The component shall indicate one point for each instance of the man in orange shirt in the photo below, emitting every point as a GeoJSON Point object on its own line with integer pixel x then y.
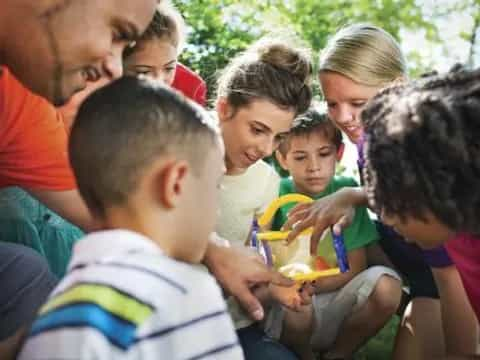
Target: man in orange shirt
{"type": "Point", "coordinates": [53, 47]}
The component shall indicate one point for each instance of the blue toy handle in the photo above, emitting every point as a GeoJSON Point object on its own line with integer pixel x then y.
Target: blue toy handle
{"type": "Point", "coordinates": [341, 252]}
{"type": "Point", "coordinates": [268, 253]}
{"type": "Point", "coordinates": [255, 228]}
{"type": "Point", "coordinates": [262, 247]}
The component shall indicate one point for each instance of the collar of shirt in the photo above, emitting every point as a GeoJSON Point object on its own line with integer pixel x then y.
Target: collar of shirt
{"type": "Point", "coordinates": [112, 243]}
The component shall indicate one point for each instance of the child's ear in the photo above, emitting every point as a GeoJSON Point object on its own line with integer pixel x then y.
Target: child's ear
{"type": "Point", "coordinates": [224, 110]}
{"type": "Point", "coordinates": [171, 183]}
{"type": "Point", "coordinates": [281, 160]}
{"type": "Point", "coordinates": [340, 151]}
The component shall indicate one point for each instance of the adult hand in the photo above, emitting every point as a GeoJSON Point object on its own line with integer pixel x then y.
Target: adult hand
{"type": "Point", "coordinates": [337, 209]}
{"type": "Point", "coordinates": [239, 271]}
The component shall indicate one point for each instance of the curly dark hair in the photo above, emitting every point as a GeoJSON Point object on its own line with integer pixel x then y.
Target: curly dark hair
{"type": "Point", "coordinates": [423, 149]}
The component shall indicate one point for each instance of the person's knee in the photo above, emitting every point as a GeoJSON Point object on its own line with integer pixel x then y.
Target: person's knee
{"type": "Point", "coordinates": [35, 269]}
{"type": "Point", "coordinates": [35, 262]}
{"type": "Point", "coordinates": [10, 346]}
{"type": "Point", "coordinates": [26, 281]}
{"type": "Point", "coordinates": [386, 295]}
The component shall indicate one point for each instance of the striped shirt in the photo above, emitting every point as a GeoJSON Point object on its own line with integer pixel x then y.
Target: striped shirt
{"type": "Point", "coordinates": [122, 298]}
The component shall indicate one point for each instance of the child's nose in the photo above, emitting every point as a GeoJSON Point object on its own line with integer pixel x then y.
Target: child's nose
{"type": "Point", "coordinates": [313, 164]}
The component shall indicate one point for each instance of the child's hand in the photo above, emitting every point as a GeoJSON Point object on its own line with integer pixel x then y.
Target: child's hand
{"type": "Point", "coordinates": [337, 210]}
{"type": "Point", "coordinates": [295, 297]}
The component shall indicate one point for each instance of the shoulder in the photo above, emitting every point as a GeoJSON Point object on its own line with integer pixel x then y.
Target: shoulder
{"type": "Point", "coordinates": [286, 186]}
{"type": "Point", "coordinates": [258, 177]}
{"type": "Point", "coordinates": [186, 74]}
{"type": "Point", "coordinates": [265, 170]}
{"type": "Point", "coordinates": [22, 109]}
{"type": "Point", "coordinates": [185, 282]}
{"type": "Point", "coordinates": [190, 84]}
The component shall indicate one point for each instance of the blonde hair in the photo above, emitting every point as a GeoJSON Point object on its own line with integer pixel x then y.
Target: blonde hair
{"type": "Point", "coordinates": [270, 69]}
{"type": "Point", "coordinates": [364, 53]}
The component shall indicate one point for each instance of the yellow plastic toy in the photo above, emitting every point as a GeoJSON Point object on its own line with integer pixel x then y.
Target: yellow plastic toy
{"type": "Point", "coordinates": [294, 260]}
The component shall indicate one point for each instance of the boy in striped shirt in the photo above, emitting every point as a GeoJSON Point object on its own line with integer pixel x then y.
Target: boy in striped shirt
{"type": "Point", "coordinates": [146, 160]}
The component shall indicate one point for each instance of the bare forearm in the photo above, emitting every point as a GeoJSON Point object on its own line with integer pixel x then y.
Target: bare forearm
{"type": "Point", "coordinates": [459, 322]}
{"type": "Point", "coordinates": [332, 283]}
{"type": "Point", "coordinates": [69, 205]}
{"type": "Point", "coordinates": [357, 262]}
{"type": "Point", "coordinates": [357, 195]}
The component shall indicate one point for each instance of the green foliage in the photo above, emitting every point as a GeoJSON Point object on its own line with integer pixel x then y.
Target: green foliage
{"type": "Point", "coordinates": [215, 35]}
{"type": "Point", "coordinates": [317, 20]}
{"type": "Point", "coordinates": [219, 29]}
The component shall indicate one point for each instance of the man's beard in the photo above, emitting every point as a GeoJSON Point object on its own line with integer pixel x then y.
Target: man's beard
{"type": "Point", "coordinates": [57, 97]}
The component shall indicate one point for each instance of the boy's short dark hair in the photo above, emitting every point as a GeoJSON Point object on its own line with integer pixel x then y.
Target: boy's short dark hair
{"type": "Point", "coordinates": [311, 121]}
{"type": "Point", "coordinates": [125, 126]}
{"type": "Point", "coordinates": [423, 149]}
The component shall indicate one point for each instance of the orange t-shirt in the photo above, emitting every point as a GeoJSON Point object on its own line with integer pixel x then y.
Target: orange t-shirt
{"type": "Point", "coordinates": [33, 140]}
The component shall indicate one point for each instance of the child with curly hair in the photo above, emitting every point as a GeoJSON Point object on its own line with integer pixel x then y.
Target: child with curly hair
{"type": "Point", "coordinates": [422, 168]}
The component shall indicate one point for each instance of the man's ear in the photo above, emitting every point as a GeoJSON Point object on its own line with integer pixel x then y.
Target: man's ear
{"type": "Point", "coordinates": [281, 160]}
{"type": "Point", "coordinates": [340, 151]}
{"type": "Point", "coordinates": [224, 109]}
{"type": "Point", "coordinates": [170, 183]}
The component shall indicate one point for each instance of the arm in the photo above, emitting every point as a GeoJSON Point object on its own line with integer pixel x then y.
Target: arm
{"type": "Point", "coordinates": [67, 204]}
{"type": "Point", "coordinates": [459, 322]}
{"type": "Point", "coordinates": [337, 209]}
{"type": "Point", "coordinates": [358, 262]}
{"type": "Point", "coordinates": [36, 155]}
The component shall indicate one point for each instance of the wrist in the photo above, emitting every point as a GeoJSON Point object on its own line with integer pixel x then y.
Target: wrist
{"type": "Point", "coordinates": [215, 246]}
{"type": "Point", "coordinates": [355, 196]}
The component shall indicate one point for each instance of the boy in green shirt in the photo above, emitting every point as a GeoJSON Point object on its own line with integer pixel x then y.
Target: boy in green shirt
{"type": "Point", "coordinates": [349, 308]}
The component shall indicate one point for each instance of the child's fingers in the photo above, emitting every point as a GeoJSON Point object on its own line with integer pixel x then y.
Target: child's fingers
{"type": "Point", "coordinates": [299, 228]}
{"type": "Point", "coordinates": [309, 288]}
{"type": "Point", "coordinates": [344, 222]}
{"type": "Point", "coordinates": [305, 293]}
{"type": "Point", "coordinates": [321, 224]}
{"type": "Point", "coordinates": [298, 213]}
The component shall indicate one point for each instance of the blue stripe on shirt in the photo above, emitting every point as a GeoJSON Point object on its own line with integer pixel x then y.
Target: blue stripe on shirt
{"type": "Point", "coordinates": [119, 332]}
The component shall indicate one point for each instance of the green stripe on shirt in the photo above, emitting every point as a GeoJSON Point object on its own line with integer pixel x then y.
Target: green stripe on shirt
{"type": "Point", "coordinates": [110, 299]}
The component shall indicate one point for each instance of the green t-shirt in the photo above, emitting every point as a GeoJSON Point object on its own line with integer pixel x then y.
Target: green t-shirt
{"type": "Point", "coordinates": [360, 233]}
